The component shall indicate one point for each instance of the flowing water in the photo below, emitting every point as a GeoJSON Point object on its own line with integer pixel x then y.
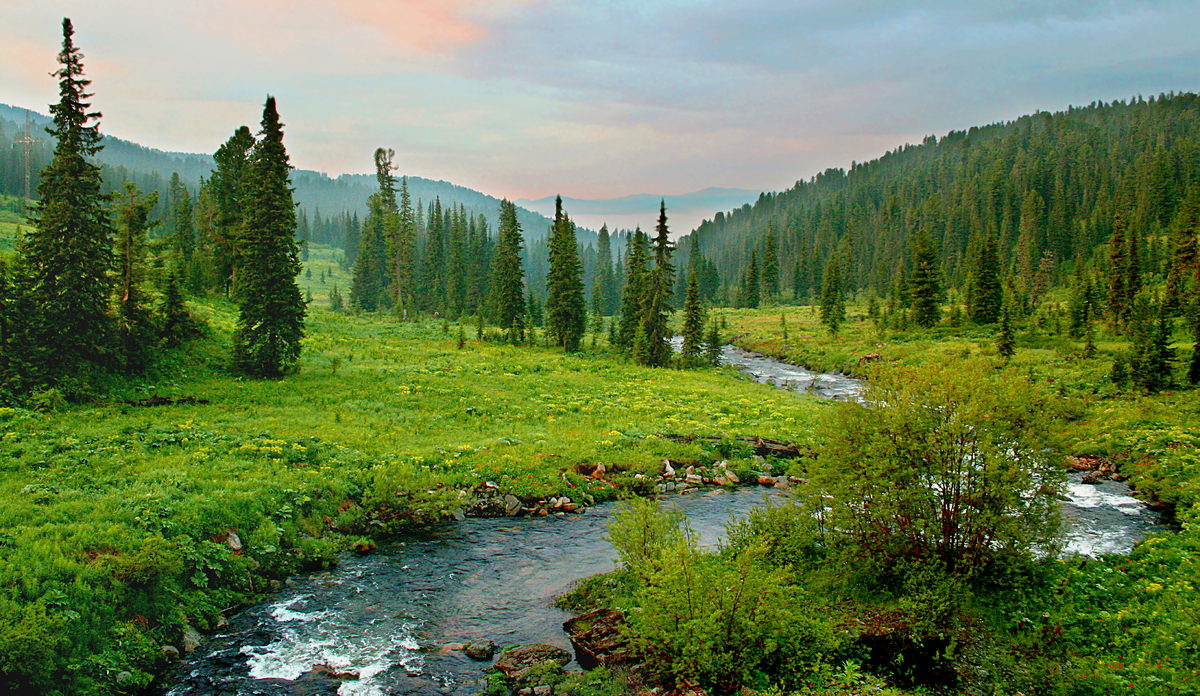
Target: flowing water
{"type": "Point", "coordinates": [388, 615]}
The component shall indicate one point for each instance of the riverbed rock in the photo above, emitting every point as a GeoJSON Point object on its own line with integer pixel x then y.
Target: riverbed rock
{"type": "Point", "coordinates": [598, 638]}
{"type": "Point", "coordinates": [766, 480]}
{"type": "Point", "coordinates": [542, 690]}
{"type": "Point", "coordinates": [511, 505]}
{"type": "Point", "coordinates": [668, 470]}
{"type": "Point", "coordinates": [782, 484]}
{"type": "Point", "coordinates": [451, 647]}
{"type": "Point", "coordinates": [480, 650]}
{"type": "Point", "coordinates": [694, 480]}
{"type": "Point", "coordinates": [733, 478]}
{"type": "Point", "coordinates": [170, 653]}
{"type": "Point", "coordinates": [336, 672]}
{"type": "Point", "coordinates": [192, 640]}
{"type": "Point", "coordinates": [570, 507]}
{"type": "Point", "coordinates": [519, 662]}
{"type": "Point", "coordinates": [234, 542]}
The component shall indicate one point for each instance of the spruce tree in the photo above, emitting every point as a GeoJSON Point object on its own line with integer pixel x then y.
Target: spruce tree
{"type": "Point", "coordinates": [566, 311]}
{"type": "Point", "coordinates": [656, 307]}
{"type": "Point", "coordinates": [175, 324]}
{"type": "Point", "coordinates": [135, 328]}
{"type": "Point", "coordinates": [1006, 340]}
{"type": "Point", "coordinates": [1151, 354]}
{"type": "Point", "coordinates": [1185, 259]}
{"type": "Point", "coordinates": [64, 259]}
{"type": "Point", "coordinates": [984, 293]}
{"type": "Point", "coordinates": [508, 277]}
{"type": "Point", "coordinates": [230, 186]}
{"type": "Point", "coordinates": [833, 308]}
{"type": "Point", "coordinates": [751, 290]}
{"type": "Point", "coordinates": [712, 344]}
{"type": "Point", "coordinates": [1194, 320]}
{"type": "Point", "coordinates": [635, 288]}
{"type": "Point", "coordinates": [271, 315]}
{"type": "Point", "coordinates": [381, 226]}
{"type": "Point", "coordinates": [402, 252]}
{"type": "Point", "coordinates": [770, 266]}
{"type": "Point", "coordinates": [605, 286]}
{"type": "Point", "coordinates": [1119, 296]}
{"type": "Point", "coordinates": [183, 238]}
{"type": "Point", "coordinates": [925, 285]}
{"type": "Point", "coordinates": [693, 322]}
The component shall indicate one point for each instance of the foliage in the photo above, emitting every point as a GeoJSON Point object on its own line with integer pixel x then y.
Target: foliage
{"type": "Point", "coordinates": [925, 283]}
{"type": "Point", "coordinates": [833, 308]}
{"type": "Point", "coordinates": [508, 277]}
{"type": "Point", "coordinates": [693, 322]}
{"type": "Point", "coordinates": [944, 465]}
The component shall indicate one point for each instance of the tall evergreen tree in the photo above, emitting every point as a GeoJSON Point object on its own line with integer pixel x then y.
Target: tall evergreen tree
{"type": "Point", "coordinates": [183, 238]}
{"type": "Point", "coordinates": [604, 291]}
{"type": "Point", "coordinates": [636, 281]}
{"type": "Point", "coordinates": [64, 259]}
{"type": "Point", "coordinates": [770, 266]}
{"type": "Point", "coordinates": [403, 247]}
{"type": "Point", "coordinates": [566, 311]}
{"type": "Point", "coordinates": [271, 315]}
{"type": "Point", "coordinates": [751, 290]}
{"type": "Point", "coordinates": [370, 266]}
{"type": "Point", "coordinates": [833, 307]}
{"type": "Point", "coordinates": [693, 322]}
{"type": "Point", "coordinates": [1151, 353]}
{"type": "Point", "coordinates": [134, 324]}
{"type": "Point", "coordinates": [1184, 270]}
{"type": "Point", "coordinates": [508, 277]}
{"type": "Point", "coordinates": [985, 296]}
{"type": "Point", "coordinates": [1005, 339]}
{"type": "Point", "coordinates": [654, 349]}
{"type": "Point", "coordinates": [230, 186]}
{"type": "Point", "coordinates": [1119, 295]}
{"type": "Point", "coordinates": [925, 285]}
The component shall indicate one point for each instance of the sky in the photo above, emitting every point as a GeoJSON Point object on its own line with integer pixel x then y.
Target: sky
{"type": "Point", "coordinates": [599, 98]}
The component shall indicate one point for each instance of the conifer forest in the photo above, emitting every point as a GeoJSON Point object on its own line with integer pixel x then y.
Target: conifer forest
{"type": "Point", "coordinates": [231, 389]}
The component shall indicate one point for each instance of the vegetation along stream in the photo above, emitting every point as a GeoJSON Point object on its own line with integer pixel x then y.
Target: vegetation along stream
{"type": "Point", "coordinates": [386, 619]}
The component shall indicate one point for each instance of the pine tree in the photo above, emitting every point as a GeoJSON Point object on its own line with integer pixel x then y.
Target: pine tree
{"type": "Point", "coordinates": [1151, 354]}
{"type": "Point", "coordinates": [1185, 259]}
{"type": "Point", "coordinates": [271, 315]}
{"type": "Point", "coordinates": [833, 308]}
{"type": "Point", "coordinates": [713, 344]}
{"type": "Point", "coordinates": [508, 277]}
{"type": "Point", "coordinates": [605, 286]}
{"type": "Point", "coordinates": [1005, 340]}
{"type": "Point", "coordinates": [183, 239]}
{"type": "Point", "coordinates": [230, 186]}
{"type": "Point", "coordinates": [175, 323]}
{"type": "Point", "coordinates": [1119, 296]}
{"type": "Point", "coordinates": [656, 307]}
{"type": "Point", "coordinates": [693, 322]}
{"type": "Point", "coordinates": [402, 252]}
{"type": "Point", "coordinates": [751, 296]}
{"type": "Point", "coordinates": [336, 303]}
{"type": "Point", "coordinates": [380, 227]}
{"type": "Point", "coordinates": [636, 281]}
{"type": "Point", "coordinates": [984, 293]}
{"type": "Point", "coordinates": [134, 325]}
{"type": "Point", "coordinates": [770, 267]}
{"type": "Point", "coordinates": [1194, 320]}
{"type": "Point", "coordinates": [566, 311]}
{"type": "Point", "coordinates": [64, 259]}
{"type": "Point", "coordinates": [925, 285]}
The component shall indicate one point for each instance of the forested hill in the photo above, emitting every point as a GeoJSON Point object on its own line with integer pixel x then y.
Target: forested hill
{"type": "Point", "coordinates": [1047, 185]}
{"type": "Point", "coordinates": [152, 169]}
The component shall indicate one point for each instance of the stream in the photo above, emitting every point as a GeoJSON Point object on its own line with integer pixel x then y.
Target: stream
{"type": "Point", "coordinates": [388, 615]}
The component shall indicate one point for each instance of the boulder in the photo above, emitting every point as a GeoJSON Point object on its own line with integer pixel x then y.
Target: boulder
{"type": "Point", "coordinates": [542, 690]}
{"type": "Point", "coordinates": [782, 484]}
{"type": "Point", "coordinates": [733, 478]}
{"type": "Point", "coordinates": [335, 672]}
{"type": "Point", "coordinates": [511, 505]}
{"type": "Point", "coordinates": [234, 542]}
{"type": "Point", "coordinates": [668, 470]}
{"type": "Point", "coordinates": [518, 662]}
{"type": "Point", "coordinates": [694, 480]}
{"type": "Point", "coordinates": [598, 638]}
{"type": "Point", "coordinates": [451, 647]}
{"type": "Point", "coordinates": [766, 481]}
{"type": "Point", "coordinates": [600, 470]}
{"type": "Point", "coordinates": [482, 650]}
{"type": "Point", "coordinates": [170, 653]}
{"type": "Point", "coordinates": [192, 640]}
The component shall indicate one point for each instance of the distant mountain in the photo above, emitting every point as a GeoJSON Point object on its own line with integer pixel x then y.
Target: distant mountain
{"type": "Point", "coordinates": [152, 168]}
{"type": "Point", "coordinates": [684, 212]}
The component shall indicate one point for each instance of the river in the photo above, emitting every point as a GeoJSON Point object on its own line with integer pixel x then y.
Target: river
{"type": "Point", "coordinates": [388, 615]}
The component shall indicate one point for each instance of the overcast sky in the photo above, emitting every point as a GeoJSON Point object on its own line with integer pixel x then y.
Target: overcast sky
{"type": "Point", "coordinates": [593, 99]}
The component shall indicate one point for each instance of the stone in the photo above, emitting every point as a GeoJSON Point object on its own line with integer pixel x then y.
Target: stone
{"type": "Point", "coordinates": [694, 480]}
{"type": "Point", "coordinates": [124, 677]}
{"type": "Point", "coordinates": [543, 690]}
{"type": "Point", "coordinates": [690, 470]}
{"type": "Point", "coordinates": [511, 505]}
{"type": "Point", "coordinates": [459, 514]}
{"type": "Point", "coordinates": [234, 542]}
{"type": "Point", "coordinates": [451, 647]}
{"type": "Point", "coordinates": [518, 662]}
{"type": "Point", "coordinates": [482, 650]}
{"type": "Point", "coordinates": [721, 481]}
{"type": "Point", "coordinates": [668, 470]}
{"type": "Point", "coordinates": [733, 478]}
{"type": "Point", "coordinates": [570, 507]}
{"type": "Point", "coordinates": [335, 672]}
{"type": "Point", "coordinates": [782, 484]}
{"type": "Point", "coordinates": [766, 481]}
{"type": "Point", "coordinates": [492, 485]}
{"type": "Point", "coordinates": [758, 459]}
{"type": "Point", "coordinates": [192, 640]}
{"type": "Point", "coordinates": [170, 653]}
{"type": "Point", "coordinates": [599, 471]}
{"type": "Point", "coordinates": [670, 486]}
{"type": "Point", "coordinates": [638, 477]}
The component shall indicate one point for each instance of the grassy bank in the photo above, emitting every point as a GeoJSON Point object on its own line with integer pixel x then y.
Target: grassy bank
{"type": "Point", "coordinates": [116, 516]}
